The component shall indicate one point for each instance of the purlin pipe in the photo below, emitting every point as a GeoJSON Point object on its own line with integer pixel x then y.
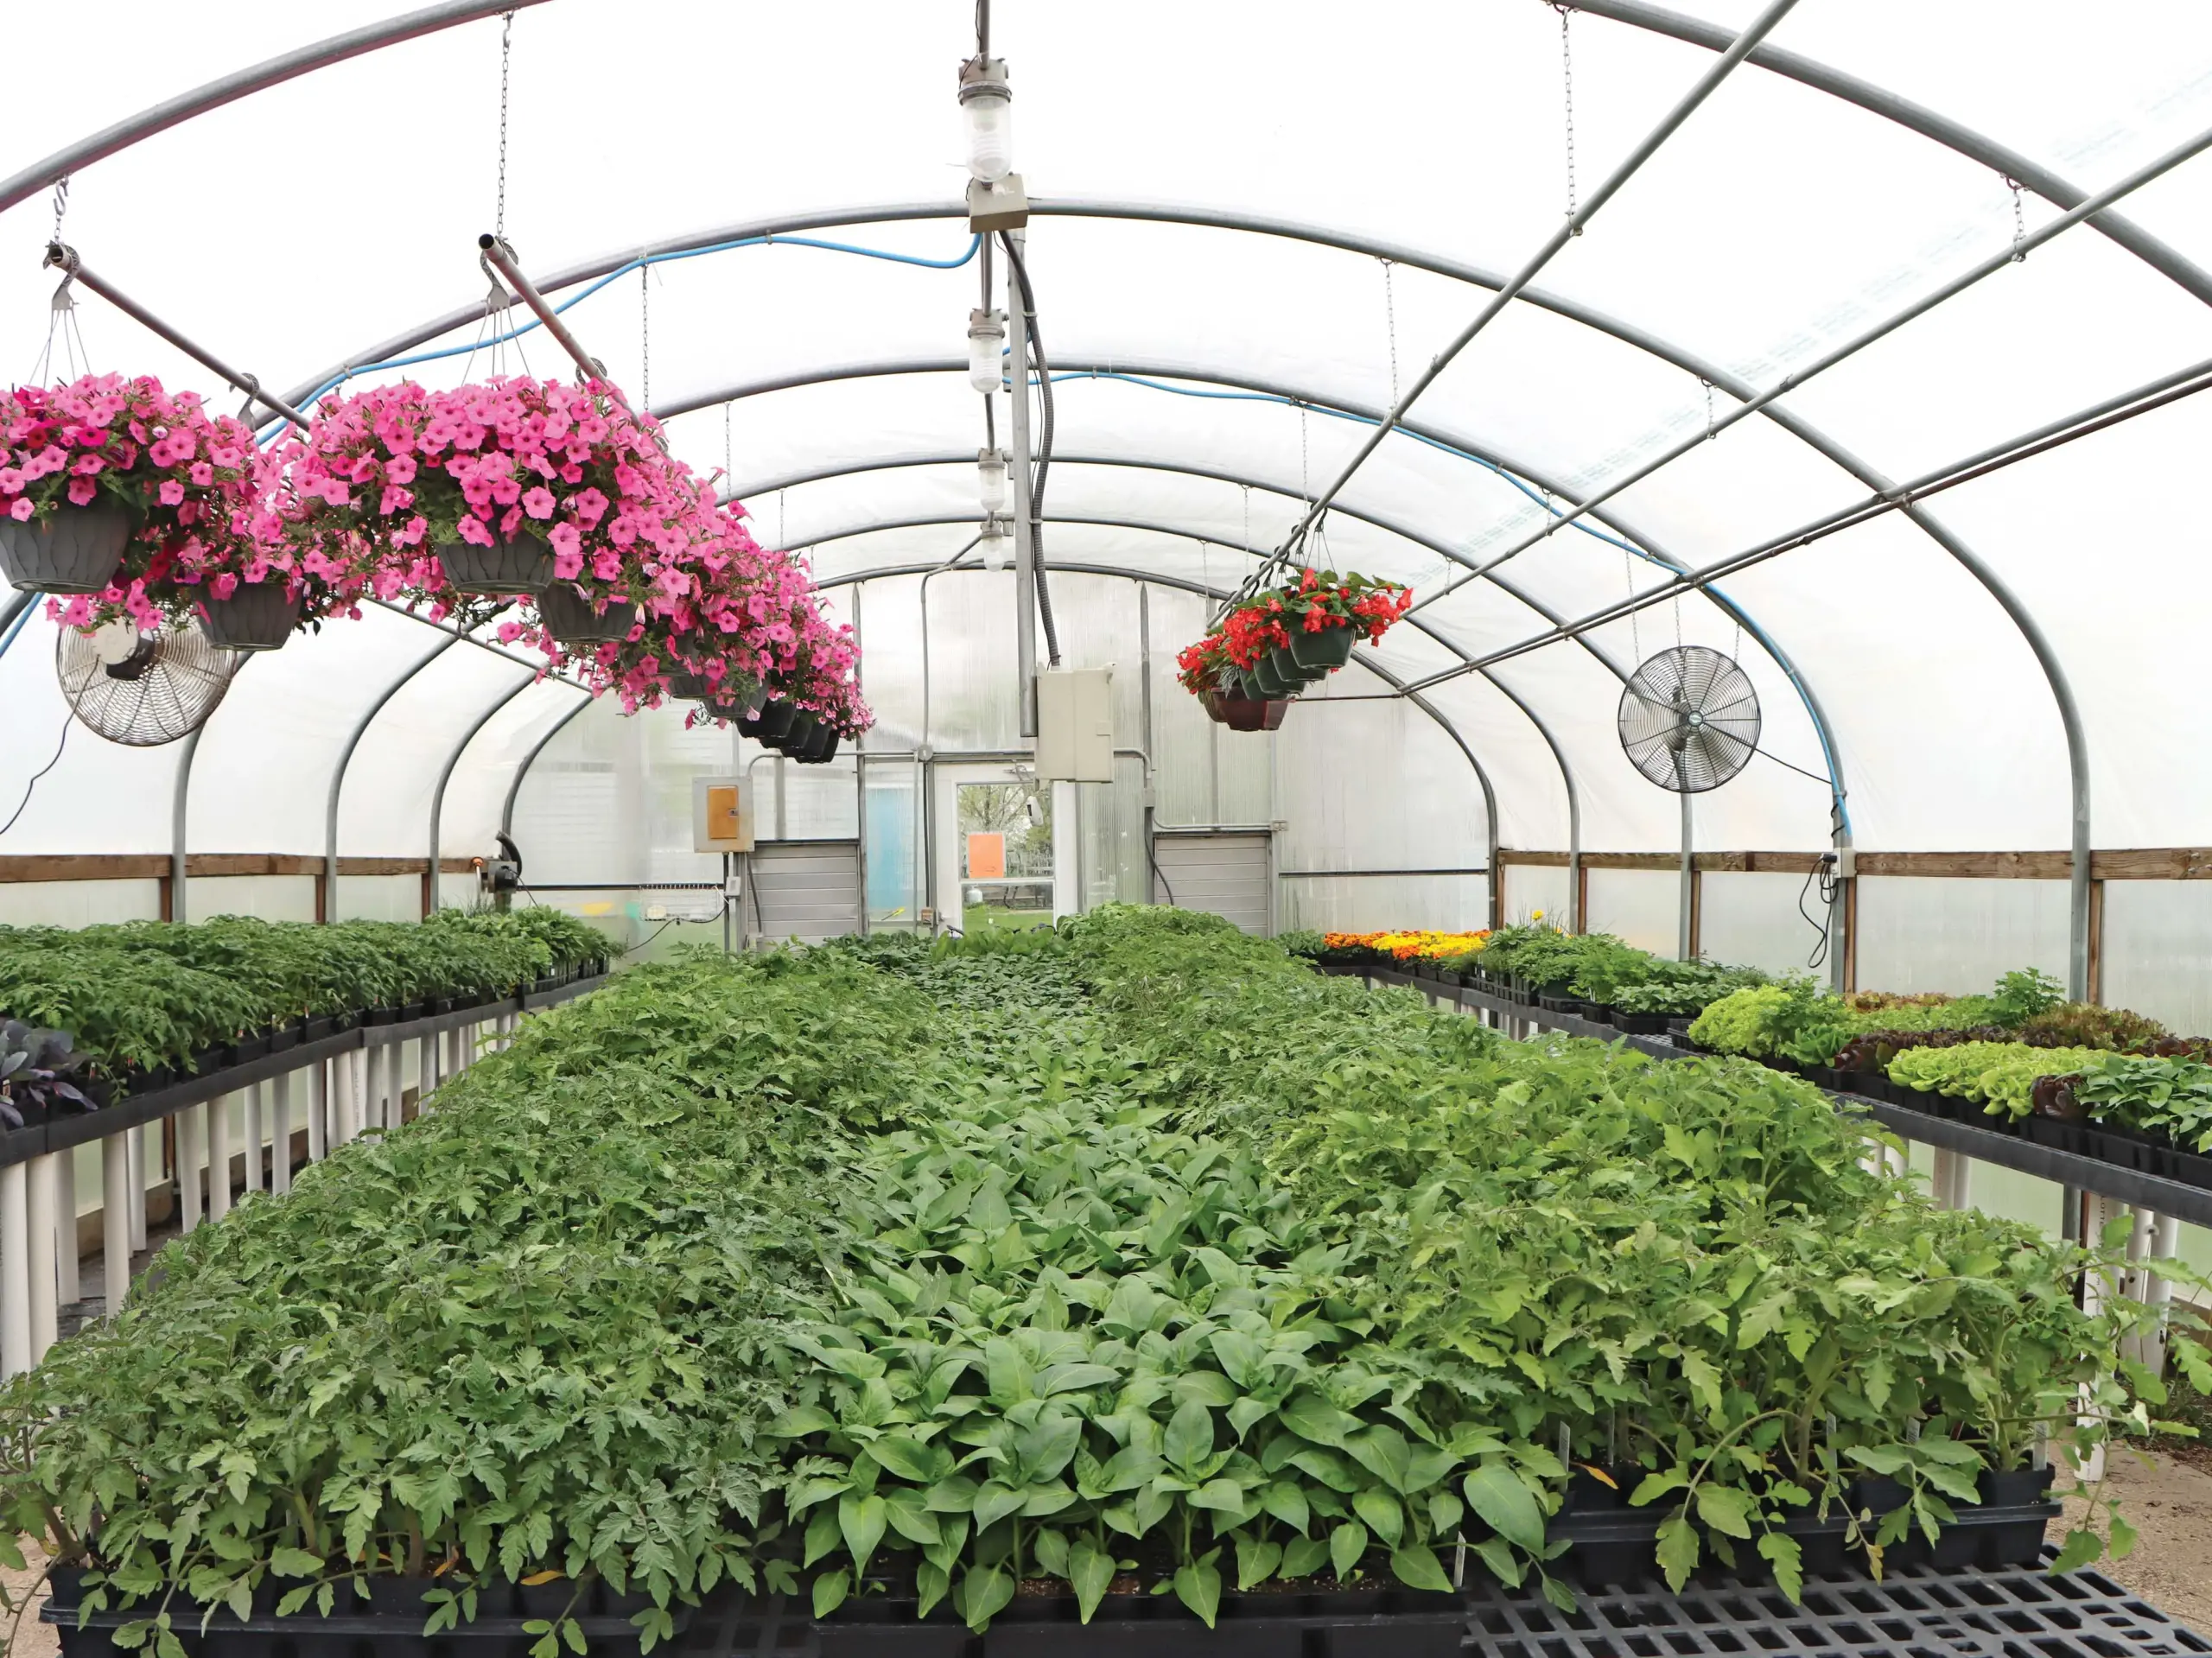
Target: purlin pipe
{"type": "Point", "coordinates": [63, 258]}
{"type": "Point", "coordinates": [227, 89]}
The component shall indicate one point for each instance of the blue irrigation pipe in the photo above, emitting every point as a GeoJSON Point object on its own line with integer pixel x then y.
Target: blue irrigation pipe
{"type": "Point", "coordinates": [638, 263]}
{"type": "Point", "coordinates": [15, 618]}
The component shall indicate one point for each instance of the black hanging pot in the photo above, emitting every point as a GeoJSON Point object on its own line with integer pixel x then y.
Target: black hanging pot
{"type": "Point", "coordinates": [794, 740]}
{"type": "Point", "coordinates": [76, 550]}
{"type": "Point", "coordinates": [1269, 682]}
{"type": "Point", "coordinates": [820, 748]}
{"type": "Point", "coordinates": [769, 724]}
{"type": "Point", "coordinates": [257, 616]}
{"type": "Point", "coordinates": [688, 687]}
{"type": "Point", "coordinates": [1288, 670]}
{"type": "Point", "coordinates": [1321, 651]}
{"type": "Point", "coordinates": [1248, 682]}
{"type": "Point", "coordinates": [569, 617]}
{"type": "Point", "coordinates": [522, 564]}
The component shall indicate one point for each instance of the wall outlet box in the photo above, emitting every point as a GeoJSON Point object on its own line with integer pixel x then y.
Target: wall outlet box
{"type": "Point", "coordinates": [1075, 725]}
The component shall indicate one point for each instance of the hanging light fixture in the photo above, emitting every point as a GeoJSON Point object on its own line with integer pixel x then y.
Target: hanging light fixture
{"type": "Point", "coordinates": [990, 474]}
{"type": "Point", "coordinates": [988, 102]}
{"type": "Point", "coordinates": [986, 350]}
{"type": "Point", "coordinates": [992, 546]}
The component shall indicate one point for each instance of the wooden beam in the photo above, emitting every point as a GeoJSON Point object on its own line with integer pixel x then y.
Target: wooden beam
{"type": "Point", "coordinates": [2152, 863]}
{"type": "Point", "coordinates": [155, 866]}
{"type": "Point", "coordinates": [85, 865]}
{"type": "Point", "coordinates": [2097, 986]}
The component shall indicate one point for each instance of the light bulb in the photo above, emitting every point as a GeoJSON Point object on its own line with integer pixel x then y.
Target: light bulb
{"type": "Point", "coordinates": [986, 351]}
{"type": "Point", "coordinates": [993, 546]}
{"type": "Point", "coordinates": [990, 472]}
{"type": "Point", "coordinates": [988, 102]}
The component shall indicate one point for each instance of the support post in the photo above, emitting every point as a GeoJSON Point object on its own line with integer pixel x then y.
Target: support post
{"type": "Point", "coordinates": [44, 1328]}
{"type": "Point", "coordinates": [191, 1142]}
{"type": "Point", "coordinates": [318, 1111]}
{"type": "Point", "coordinates": [280, 1136]}
{"type": "Point", "coordinates": [135, 1140]}
{"type": "Point", "coordinates": [1685, 937]}
{"type": "Point", "coordinates": [219, 1157]}
{"type": "Point", "coordinates": [252, 1093]}
{"type": "Point", "coordinates": [68, 1291]}
{"type": "Point", "coordinates": [15, 1269]}
{"type": "Point", "coordinates": [341, 1099]}
{"type": "Point", "coordinates": [115, 1217]}
{"type": "Point", "coordinates": [1025, 526]}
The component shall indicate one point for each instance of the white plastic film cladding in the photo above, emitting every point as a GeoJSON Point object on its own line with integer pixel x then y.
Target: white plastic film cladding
{"type": "Point", "coordinates": [1452, 903]}
{"type": "Point", "coordinates": [1751, 918]}
{"type": "Point", "coordinates": [2158, 950]}
{"type": "Point", "coordinates": [1641, 907]}
{"type": "Point", "coordinates": [1933, 933]}
{"type": "Point", "coordinates": [1533, 891]}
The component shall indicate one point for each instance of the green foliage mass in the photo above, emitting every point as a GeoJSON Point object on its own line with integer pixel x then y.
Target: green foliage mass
{"type": "Point", "coordinates": [1997, 1075]}
{"type": "Point", "coordinates": [141, 994]}
{"type": "Point", "coordinates": [1132, 1245]}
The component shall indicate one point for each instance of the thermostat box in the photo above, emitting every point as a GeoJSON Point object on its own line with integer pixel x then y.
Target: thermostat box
{"type": "Point", "coordinates": [722, 815]}
{"type": "Point", "coordinates": [1075, 725]}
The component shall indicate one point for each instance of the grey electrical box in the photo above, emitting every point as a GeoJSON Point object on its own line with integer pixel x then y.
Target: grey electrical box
{"type": "Point", "coordinates": [1075, 725]}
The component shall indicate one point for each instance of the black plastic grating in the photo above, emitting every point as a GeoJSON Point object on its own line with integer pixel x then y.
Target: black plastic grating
{"type": "Point", "coordinates": [2023, 1612]}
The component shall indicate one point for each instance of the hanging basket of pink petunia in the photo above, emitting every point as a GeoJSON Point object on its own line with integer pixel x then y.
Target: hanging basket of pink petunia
{"type": "Point", "coordinates": [536, 491]}
{"type": "Point", "coordinates": [134, 504]}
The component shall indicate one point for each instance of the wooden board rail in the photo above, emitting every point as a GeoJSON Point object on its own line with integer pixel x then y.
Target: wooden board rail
{"type": "Point", "coordinates": [156, 866]}
{"type": "Point", "coordinates": [2149, 863]}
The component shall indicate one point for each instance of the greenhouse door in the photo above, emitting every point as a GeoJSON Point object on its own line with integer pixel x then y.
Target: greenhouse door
{"type": "Point", "coordinates": [1000, 865]}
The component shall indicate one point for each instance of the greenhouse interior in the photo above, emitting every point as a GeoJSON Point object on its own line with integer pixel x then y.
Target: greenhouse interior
{"type": "Point", "coordinates": [835, 875]}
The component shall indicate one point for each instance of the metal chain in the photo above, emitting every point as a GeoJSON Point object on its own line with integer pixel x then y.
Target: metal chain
{"type": "Point", "coordinates": [2019, 222]}
{"type": "Point", "coordinates": [506, 36]}
{"type": "Point", "coordinates": [1628, 575]}
{"type": "Point", "coordinates": [645, 335]}
{"type": "Point", "coordinates": [726, 462]}
{"type": "Point", "coordinates": [1390, 316]}
{"type": "Point", "coordinates": [1247, 488]}
{"type": "Point", "coordinates": [1566, 76]}
{"type": "Point", "coordinates": [1709, 432]}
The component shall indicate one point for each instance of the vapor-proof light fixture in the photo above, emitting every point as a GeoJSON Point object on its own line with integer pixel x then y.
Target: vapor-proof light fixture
{"type": "Point", "coordinates": [992, 546]}
{"type": "Point", "coordinates": [987, 350]}
{"type": "Point", "coordinates": [988, 102]}
{"type": "Point", "coordinates": [990, 474]}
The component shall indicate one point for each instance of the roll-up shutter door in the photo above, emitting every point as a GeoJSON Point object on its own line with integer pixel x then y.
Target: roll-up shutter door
{"type": "Point", "coordinates": [808, 890]}
{"type": "Point", "coordinates": [1223, 874]}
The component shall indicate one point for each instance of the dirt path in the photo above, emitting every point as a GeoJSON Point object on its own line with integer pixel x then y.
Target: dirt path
{"type": "Point", "coordinates": [33, 1638]}
{"type": "Point", "coordinates": [2169, 1504]}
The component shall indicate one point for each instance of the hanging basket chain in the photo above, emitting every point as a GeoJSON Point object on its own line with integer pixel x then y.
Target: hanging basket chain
{"type": "Point", "coordinates": [2019, 223]}
{"type": "Point", "coordinates": [1566, 79]}
{"type": "Point", "coordinates": [506, 47]}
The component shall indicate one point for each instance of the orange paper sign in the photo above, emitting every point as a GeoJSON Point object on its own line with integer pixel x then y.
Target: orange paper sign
{"type": "Point", "coordinates": [722, 815]}
{"type": "Point", "coordinates": [986, 857]}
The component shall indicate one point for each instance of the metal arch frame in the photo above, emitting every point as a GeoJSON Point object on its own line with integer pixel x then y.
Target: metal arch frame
{"type": "Point", "coordinates": [445, 774]}
{"type": "Point", "coordinates": [1206, 590]}
{"type": "Point", "coordinates": [1915, 117]}
{"type": "Point", "coordinates": [346, 758]}
{"type": "Point", "coordinates": [514, 788]}
{"type": "Point", "coordinates": [242, 83]}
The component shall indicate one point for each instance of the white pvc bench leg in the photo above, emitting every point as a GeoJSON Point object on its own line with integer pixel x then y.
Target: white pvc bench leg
{"type": "Point", "coordinates": [318, 1111]}
{"type": "Point", "coordinates": [280, 1138]}
{"type": "Point", "coordinates": [191, 1144]}
{"type": "Point", "coordinates": [44, 1324]}
{"type": "Point", "coordinates": [219, 1157]}
{"type": "Point", "coordinates": [115, 1216]}
{"type": "Point", "coordinates": [136, 1143]}
{"type": "Point", "coordinates": [69, 1289]}
{"type": "Point", "coordinates": [251, 1093]}
{"type": "Point", "coordinates": [15, 1269]}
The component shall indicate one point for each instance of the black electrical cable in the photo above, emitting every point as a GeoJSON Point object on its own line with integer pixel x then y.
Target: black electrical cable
{"type": "Point", "coordinates": [1158, 875]}
{"type": "Point", "coordinates": [66, 721]}
{"type": "Point", "coordinates": [1043, 447]}
{"type": "Point", "coordinates": [1829, 887]}
{"type": "Point", "coordinates": [982, 29]}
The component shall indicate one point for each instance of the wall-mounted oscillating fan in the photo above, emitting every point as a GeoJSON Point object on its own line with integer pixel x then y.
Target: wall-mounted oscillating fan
{"type": "Point", "coordinates": [141, 690]}
{"type": "Point", "coordinates": [1689, 719]}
